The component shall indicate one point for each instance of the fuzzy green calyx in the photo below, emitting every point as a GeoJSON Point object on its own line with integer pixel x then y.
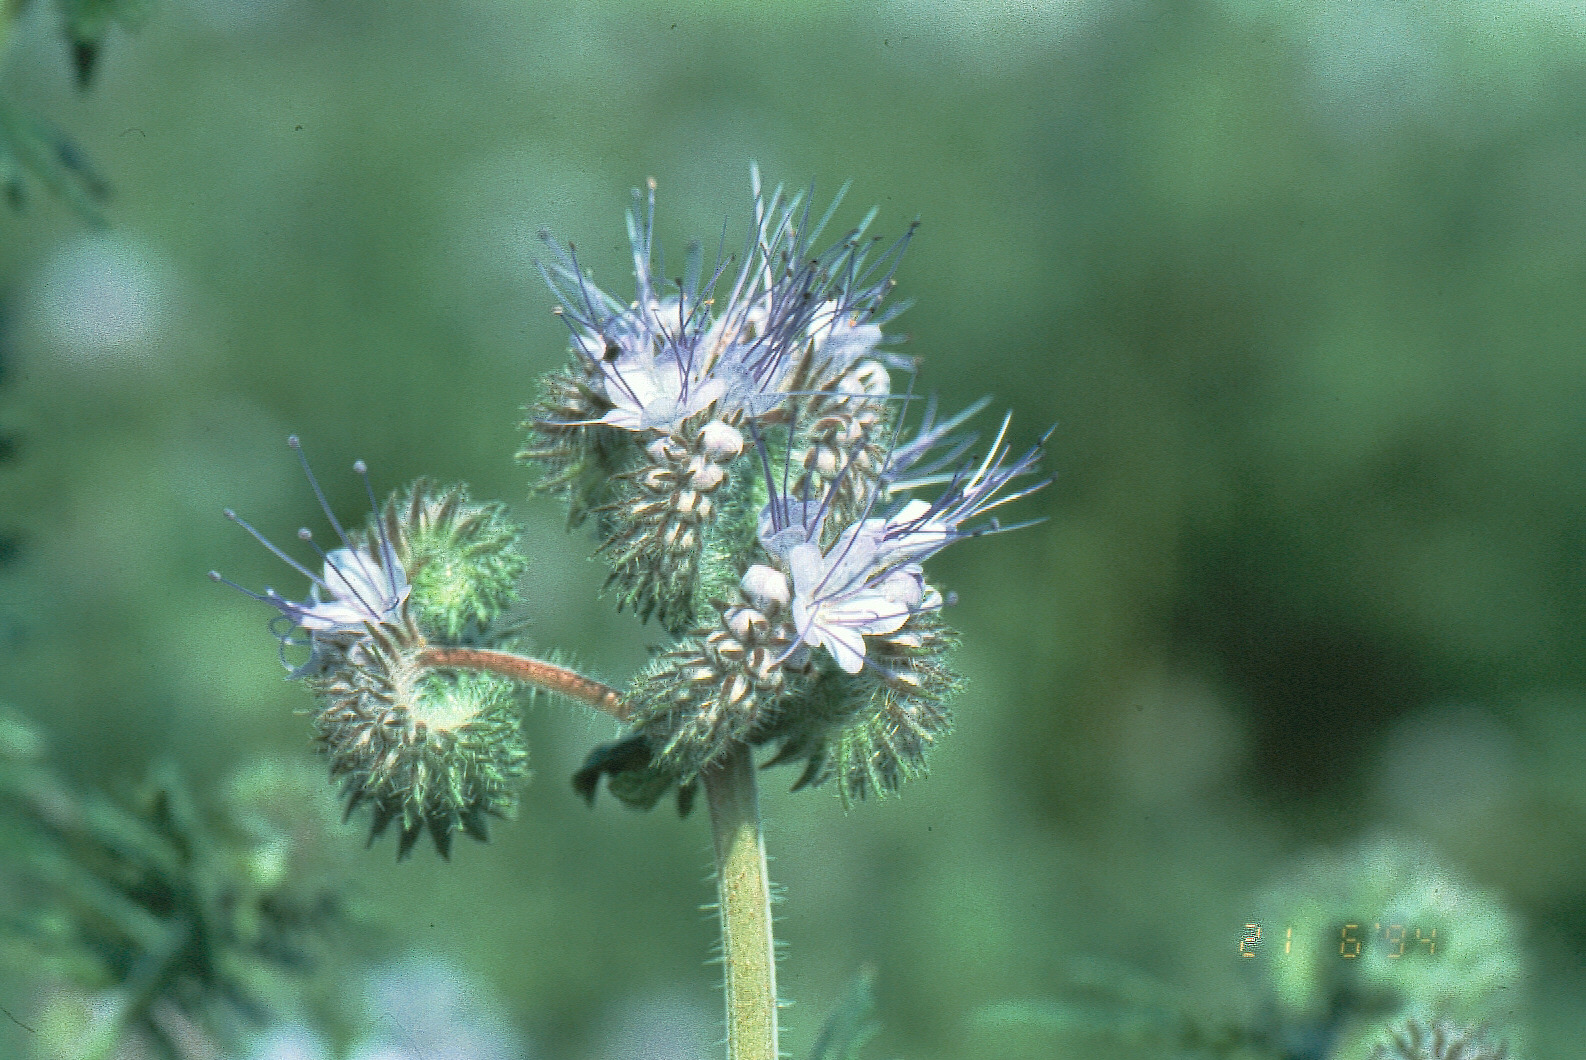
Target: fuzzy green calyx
{"type": "Point", "coordinates": [574, 459]}
{"type": "Point", "coordinates": [428, 751]}
{"type": "Point", "coordinates": [715, 689]}
{"type": "Point", "coordinates": [462, 559]}
{"type": "Point", "coordinates": [869, 732]}
{"type": "Point", "coordinates": [745, 681]}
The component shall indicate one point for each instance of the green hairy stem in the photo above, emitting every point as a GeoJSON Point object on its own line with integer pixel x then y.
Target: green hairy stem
{"type": "Point", "coordinates": [747, 944]}
{"type": "Point", "coordinates": [745, 905]}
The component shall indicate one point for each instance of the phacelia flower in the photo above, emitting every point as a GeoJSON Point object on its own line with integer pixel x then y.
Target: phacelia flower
{"type": "Point", "coordinates": [425, 749]}
{"type": "Point", "coordinates": [829, 645]}
{"type": "Point", "coordinates": [367, 585]}
{"type": "Point", "coordinates": [664, 358]}
{"type": "Point", "coordinates": [869, 580]}
{"type": "Point", "coordinates": [644, 426]}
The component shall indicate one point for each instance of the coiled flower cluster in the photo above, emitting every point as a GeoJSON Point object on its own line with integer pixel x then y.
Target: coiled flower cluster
{"type": "Point", "coordinates": [643, 427]}
{"type": "Point", "coordinates": [831, 646]}
{"type": "Point", "coordinates": [743, 453]}
{"type": "Point", "coordinates": [425, 748]}
{"type": "Point", "coordinates": [738, 443]}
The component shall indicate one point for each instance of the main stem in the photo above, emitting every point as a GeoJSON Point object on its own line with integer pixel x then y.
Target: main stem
{"type": "Point", "coordinates": [745, 905]}
{"type": "Point", "coordinates": [747, 944]}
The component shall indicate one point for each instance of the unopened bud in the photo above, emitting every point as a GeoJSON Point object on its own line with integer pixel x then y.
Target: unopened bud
{"type": "Point", "coordinates": [719, 442]}
{"type": "Point", "coordinates": [868, 377]}
{"type": "Point", "coordinates": [766, 588]}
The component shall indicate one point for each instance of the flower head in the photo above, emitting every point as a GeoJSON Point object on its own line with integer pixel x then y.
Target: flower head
{"type": "Point", "coordinates": [426, 750]}
{"type": "Point", "coordinates": [828, 643]}
{"type": "Point", "coordinates": [785, 313]}
{"type": "Point", "coordinates": [363, 579]}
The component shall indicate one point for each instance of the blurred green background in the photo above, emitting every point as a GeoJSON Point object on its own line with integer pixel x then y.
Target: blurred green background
{"type": "Point", "coordinates": [1300, 284]}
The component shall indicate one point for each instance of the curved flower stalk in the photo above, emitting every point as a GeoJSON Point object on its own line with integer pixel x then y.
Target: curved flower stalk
{"type": "Point", "coordinates": [645, 424]}
{"type": "Point", "coordinates": [830, 644]}
{"type": "Point", "coordinates": [424, 747]}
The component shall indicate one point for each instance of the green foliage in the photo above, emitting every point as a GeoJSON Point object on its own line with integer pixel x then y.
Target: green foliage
{"type": "Point", "coordinates": [31, 148]}
{"type": "Point", "coordinates": [199, 919]}
{"type": "Point", "coordinates": [851, 1024]}
{"type": "Point", "coordinates": [88, 22]}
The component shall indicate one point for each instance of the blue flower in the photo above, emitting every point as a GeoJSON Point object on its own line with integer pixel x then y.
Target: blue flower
{"type": "Point", "coordinates": [870, 579]}
{"type": "Point", "coordinates": [788, 317]}
{"type": "Point", "coordinates": [357, 587]}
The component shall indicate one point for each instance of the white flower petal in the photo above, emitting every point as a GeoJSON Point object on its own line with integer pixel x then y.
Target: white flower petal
{"type": "Point", "coordinates": [808, 567]}
{"type": "Point", "coordinates": [846, 646]}
{"type": "Point", "coordinates": [869, 612]}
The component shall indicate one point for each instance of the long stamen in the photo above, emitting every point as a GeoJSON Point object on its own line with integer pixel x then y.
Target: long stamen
{"type": "Point", "coordinates": [294, 564]}
{"type": "Point", "coordinates": [216, 576]}
{"type": "Point", "coordinates": [992, 453]}
{"type": "Point", "coordinates": [387, 552]}
{"type": "Point", "coordinates": [778, 518]}
{"type": "Point", "coordinates": [319, 494]}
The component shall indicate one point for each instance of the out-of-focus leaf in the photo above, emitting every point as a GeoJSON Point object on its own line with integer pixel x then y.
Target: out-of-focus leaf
{"type": "Point", "coordinates": [31, 149]}
{"type": "Point", "coordinates": [851, 1024]}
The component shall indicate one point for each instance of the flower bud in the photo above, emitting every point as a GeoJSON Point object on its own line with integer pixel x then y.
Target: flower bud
{"type": "Point", "coordinates": [766, 588]}
{"type": "Point", "coordinates": [720, 443]}
{"type": "Point", "coordinates": [462, 559]}
{"type": "Point", "coordinates": [867, 377]}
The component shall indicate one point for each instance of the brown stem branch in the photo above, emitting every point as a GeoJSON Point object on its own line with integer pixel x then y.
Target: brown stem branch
{"type": "Point", "coordinates": [536, 672]}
